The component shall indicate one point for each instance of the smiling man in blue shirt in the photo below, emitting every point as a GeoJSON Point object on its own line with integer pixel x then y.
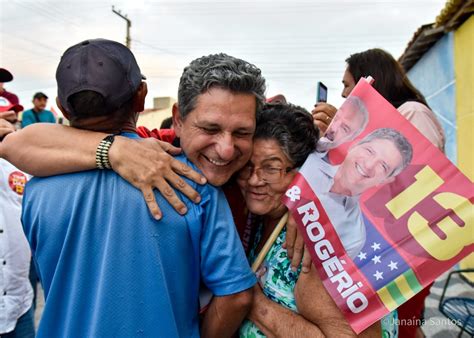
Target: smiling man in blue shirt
{"type": "Point", "coordinates": [107, 267]}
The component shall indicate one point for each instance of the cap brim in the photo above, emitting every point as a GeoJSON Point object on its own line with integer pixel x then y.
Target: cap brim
{"type": "Point", "coordinates": [16, 108]}
{"type": "Point", "coordinates": [5, 75]}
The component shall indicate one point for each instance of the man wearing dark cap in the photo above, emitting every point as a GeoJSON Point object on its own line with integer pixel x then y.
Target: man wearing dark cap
{"type": "Point", "coordinates": [108, 268]}
{"type": "Point", "coordinates": [38, 113]}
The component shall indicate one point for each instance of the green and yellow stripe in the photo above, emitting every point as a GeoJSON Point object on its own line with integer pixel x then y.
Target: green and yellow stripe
{"type": "Point", "coordinates": [399, 290]}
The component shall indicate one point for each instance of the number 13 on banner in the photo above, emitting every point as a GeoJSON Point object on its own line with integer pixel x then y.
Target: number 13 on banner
{"type": "Point", "coordinates": [457, 228]}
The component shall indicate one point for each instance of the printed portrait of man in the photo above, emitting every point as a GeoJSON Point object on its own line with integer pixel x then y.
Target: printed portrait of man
{"type": "Point", "coordinates": [350, 120]}
{"type": "Point", "coordinates": [374, 161]}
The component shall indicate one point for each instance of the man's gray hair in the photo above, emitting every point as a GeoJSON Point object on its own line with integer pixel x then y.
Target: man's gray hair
{"type": "Point", "coordinates": [401, 143]}
{"type": "Point", "coordinates": [221, 71]}
{"type": "Point", "coordinates": [358, 106]}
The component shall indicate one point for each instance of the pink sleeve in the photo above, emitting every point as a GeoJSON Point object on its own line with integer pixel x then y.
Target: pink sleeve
{"type": "Point", "coordinates": [425, 121]}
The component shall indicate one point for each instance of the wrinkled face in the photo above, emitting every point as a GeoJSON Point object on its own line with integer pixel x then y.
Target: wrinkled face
{"type": "Point", "coordinates": [217, 135]}
{"type": "Point", "coordinates": [368, 165]}
{"type": "Point", "coordinates": [260, 197]}
{"type": "Point", "coordinates": [40, 104]}
{"type": "Point", "coordinates": [343, 128]}
{"type": "Point", "coordinates": [349, 83]}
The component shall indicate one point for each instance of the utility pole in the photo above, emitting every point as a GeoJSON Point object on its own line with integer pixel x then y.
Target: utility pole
{"type": "Point", "coordinates": [129, 24]}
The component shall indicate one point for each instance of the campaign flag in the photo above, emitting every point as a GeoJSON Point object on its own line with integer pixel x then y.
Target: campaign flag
{"type": "Point", "coordinates": [382, 210]}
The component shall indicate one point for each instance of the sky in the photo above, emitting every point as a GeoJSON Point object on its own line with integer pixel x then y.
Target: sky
{"type": "Point", "coordinates": [294, 43]}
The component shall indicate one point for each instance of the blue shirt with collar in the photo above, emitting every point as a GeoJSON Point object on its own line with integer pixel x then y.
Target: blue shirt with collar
{"type": "Point", "coordinates": [109, 269]}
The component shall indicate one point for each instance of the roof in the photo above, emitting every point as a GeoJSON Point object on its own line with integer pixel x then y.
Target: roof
{"type": "Point", "coordinates": [454, 13]}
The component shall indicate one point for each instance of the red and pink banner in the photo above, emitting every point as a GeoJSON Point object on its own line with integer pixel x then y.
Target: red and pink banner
{"type": "Point", "coordinates": [383, 211]}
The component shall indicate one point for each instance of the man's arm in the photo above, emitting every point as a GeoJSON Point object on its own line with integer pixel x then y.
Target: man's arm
{"type": "Point", "coordinates": [274, 320]}
{"type": "Point", "coordinates": [225, 314]}
{"type": "Point", "coordinates": [316, 305]}
{"type": "Point", "coordinates": [49, 149]}
{"type": "Point", "coordinates": [224, 268]}
{"type": "Point", "coordinates": [51, 117]}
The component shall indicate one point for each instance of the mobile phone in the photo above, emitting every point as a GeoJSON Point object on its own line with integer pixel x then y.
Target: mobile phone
{"type": "Point", "coordinates": [322, 93]}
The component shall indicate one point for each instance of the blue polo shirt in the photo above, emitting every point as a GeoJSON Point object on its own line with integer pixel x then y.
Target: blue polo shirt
{"type": "Point", "coordinates": [109, 269]}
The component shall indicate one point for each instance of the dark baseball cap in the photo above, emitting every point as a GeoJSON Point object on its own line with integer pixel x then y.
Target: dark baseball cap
{"type": "Point", "coordinates": [104, 66]}
{"type": "Point", "coordinates": [40, 95]}
{"type": "Point", "coordinates": [5, 75]}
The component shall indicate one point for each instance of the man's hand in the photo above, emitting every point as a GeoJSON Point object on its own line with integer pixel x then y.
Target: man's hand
{"type": "Point", "coordinates": [5, 127]}
{"type": "Point", "coordinates": [323, 113]}
{"type": "Point", "coordinates": [147, 164]}
{"type": "Point", "coordinates": [295, 247]}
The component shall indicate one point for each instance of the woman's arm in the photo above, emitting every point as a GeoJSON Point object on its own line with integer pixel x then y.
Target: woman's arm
{"type": "Point", "coordinates": [316, 305]}
{"type": "Point", "coordinates": [48, 149]}
{"type": "Point", "coordinates": [276, 321]}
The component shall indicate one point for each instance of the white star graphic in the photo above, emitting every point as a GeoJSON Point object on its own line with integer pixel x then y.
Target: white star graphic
{"type": "Point", "coordinates": [378, 275]}
{"type": "Point", "coordinates": [375, 246]}
{"type": "Point", "coordinates": [362, 255]}
{"type": "Point", "coordinates": [376, 259]}
{"type": "Point", "coordinates": [393, 265]}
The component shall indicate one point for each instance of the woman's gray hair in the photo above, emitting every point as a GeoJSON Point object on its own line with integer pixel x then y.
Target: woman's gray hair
{"type": "Point", "coordinates": [222, 71]}
{"type": "Point", "coordinates": [291, 126]}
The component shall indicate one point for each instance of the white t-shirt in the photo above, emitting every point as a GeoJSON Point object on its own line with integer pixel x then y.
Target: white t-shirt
{"type": "Point", "coordinates": [16, 293]}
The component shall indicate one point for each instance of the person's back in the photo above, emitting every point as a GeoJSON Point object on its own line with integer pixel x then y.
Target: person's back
{"type": "Point", "coordinates": [107, 266]}
{"type": "Point", "coordinates": [109, 269]}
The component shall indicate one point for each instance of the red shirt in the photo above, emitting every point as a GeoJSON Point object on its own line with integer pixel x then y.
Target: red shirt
{"type": "Point", "coordinates": [10, 97]}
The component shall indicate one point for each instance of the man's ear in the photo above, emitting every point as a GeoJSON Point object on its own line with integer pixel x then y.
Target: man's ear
{"type": "Point", "coordinates": [177, 120]}
{"type": "Point", "coordinates": [61, 108]}
{"type": "Point", "coordinates": [139, 98]}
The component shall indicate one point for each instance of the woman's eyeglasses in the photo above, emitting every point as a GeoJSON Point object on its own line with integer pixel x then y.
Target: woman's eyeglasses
{"type": "Point", "coordinates": [266, 173]}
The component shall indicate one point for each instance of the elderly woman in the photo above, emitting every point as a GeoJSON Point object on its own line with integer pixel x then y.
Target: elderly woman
{"type": "Point", "coordinates": [284, 137]}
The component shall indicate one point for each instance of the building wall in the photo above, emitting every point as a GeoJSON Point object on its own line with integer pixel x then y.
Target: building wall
{"type": "Point", "coordinates": [153, 120]}
{"type": "Point", "coordinates": [434, 76]}
{"type": "Point", "coordinates": [464, 70]}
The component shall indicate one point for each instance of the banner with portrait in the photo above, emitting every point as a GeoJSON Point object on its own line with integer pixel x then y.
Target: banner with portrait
{"type": "Point", "coordinates": [382, 210]}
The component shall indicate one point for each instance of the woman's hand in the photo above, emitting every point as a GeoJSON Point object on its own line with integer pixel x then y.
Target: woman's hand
{"type": "Point", "coordinates": [147, 164]}
{"type": "Point", "coordinates": [295, 247]}
{"type": "Point", "coordinates": [323, 113]}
